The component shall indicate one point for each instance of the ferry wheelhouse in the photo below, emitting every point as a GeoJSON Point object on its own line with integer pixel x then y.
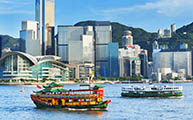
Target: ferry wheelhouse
{"type": "Point", "coordinates": [152, 91]}
{"type": "Point", "coordinates": [55, 96]}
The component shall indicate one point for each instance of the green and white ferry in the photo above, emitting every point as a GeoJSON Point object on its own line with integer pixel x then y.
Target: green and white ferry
{"type": "Point", "coordinates": [152, 91]}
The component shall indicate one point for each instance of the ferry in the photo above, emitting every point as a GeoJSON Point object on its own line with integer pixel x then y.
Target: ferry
{"type": "Point", "coordinates": [55, 96]}
{"type": "Point", "coordinates": [152, 91]}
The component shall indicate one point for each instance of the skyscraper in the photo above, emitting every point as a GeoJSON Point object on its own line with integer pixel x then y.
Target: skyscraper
{"type": "Point", "coordinates": [75, 44]}
{"type": "Point", "coordinates": [167, 33]}
{"type": "Point", "coordinates": [127, 39]}
{"type": "Point", "coordinates": [173, 28]}
{"type": "Point", "coordinates": [45, 15]}
{"type": "Point", "coordinates": [29, 33]}
{"type": "Point", "coordinates": [102, 36]}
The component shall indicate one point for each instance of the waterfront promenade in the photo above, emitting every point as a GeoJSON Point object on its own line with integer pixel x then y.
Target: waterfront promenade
{"type": "Point", "coordinates": [94, 82]}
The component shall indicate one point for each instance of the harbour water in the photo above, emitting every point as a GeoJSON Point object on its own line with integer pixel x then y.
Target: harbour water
{"type": "Point", "coordinates": [15, 105]}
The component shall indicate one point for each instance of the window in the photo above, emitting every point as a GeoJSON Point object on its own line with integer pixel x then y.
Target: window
{"type": "Point", "coordinates": [69, 100]}
{"type": "Point", "coordinates": [49, 101]}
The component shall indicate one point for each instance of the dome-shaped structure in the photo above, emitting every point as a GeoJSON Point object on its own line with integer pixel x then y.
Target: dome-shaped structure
{"type": "Point", "coordinates": [127, 39]}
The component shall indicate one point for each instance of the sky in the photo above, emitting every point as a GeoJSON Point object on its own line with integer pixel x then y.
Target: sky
{"type": "Point", "coordinates": [149, 15]}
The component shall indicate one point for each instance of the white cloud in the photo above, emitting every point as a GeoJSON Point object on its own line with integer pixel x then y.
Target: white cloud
{"type": "Point", "coordinates": [16, 12]}
{"type": "Point", "coordinates": [6, 2]}
{"type": "Point", "coordinates": [15, 7]}
{"type": "Point", "coordinates": [165, 7]}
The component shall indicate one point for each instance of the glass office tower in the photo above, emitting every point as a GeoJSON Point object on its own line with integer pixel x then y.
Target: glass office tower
{"type": "Point", "coordinates": [113, 60]}
{"type": "Point", "coordinates": [45, 15]}
{"type": "Point", "coordinates": [103, 36]}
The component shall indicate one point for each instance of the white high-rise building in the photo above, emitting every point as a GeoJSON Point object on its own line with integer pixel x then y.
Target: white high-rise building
{"type": "Point", "coordinates": [66, 34]}
{"type": "Point", "coordinates": [127, 39]}
{"type": "Point", "coordinates": [173, 28]}
{"type": "Point", "coordinates": [167, 33]}
{"type": "Point", "coordinates": [29, 33]}
{"type": "Point", "coordinates": [160, 33]}
{"type": "Point", "coordinates": [76, 44]}
{"type": "Point", "coordinates": [45, 15]}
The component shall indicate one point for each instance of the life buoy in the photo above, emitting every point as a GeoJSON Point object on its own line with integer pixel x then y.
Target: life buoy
{"type": "Point", "coordinates": [99, 99]}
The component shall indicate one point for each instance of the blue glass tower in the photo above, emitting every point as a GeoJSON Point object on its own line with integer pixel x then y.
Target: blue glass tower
{"type": "Point", "coordinates": [113, 63]}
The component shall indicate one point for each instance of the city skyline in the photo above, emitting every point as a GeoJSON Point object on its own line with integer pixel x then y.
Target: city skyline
{"type": "Point", "coordinates": [155, 13]}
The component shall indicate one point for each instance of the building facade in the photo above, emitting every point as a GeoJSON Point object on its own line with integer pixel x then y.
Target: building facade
{"type": "Point", "coordinates": [29, 33]}
{"type": "Point", "coordinates": [167, 33]}
{"type": "Point", "coordinates": [133, 60]}
{"type": "Point", "coordinates": [173, 28]}
{"type": "Point", "coordinates": [19, 65]}
{"type": "Point", "coordinates": [113, 60]}
{"type": "Point", "coordinates": [127, 39]}
{"type": "Point", "coordinates": [103, 36]}
{"type": "Point", "coordinates": [168, 61]}
{"type": "Point", "coordinates": [129, 66]}
{"type": "Point", "coordinates": [144, 64]}
{"type": "Point", "coordinates": [45, 15]}
{"type": "Point", "coordinates": [86, 44]}
{"type": "Point", "coordinates": [76, 44]}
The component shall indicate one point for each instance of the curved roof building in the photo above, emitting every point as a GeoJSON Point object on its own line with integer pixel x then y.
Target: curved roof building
{"type": "Point", "coordinates": [19, 65]}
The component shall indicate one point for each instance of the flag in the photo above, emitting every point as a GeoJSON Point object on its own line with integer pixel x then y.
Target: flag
{"type": "Point", "coordinates": [38, 86]}
{"type": "Point", "coordinates": [91, 72]}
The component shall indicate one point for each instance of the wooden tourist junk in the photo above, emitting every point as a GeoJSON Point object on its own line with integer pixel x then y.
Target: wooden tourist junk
{"type": "Point", "coordinates": [55, 96]}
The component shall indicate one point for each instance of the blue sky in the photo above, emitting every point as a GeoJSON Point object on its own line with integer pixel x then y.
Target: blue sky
{"type": "Point", "coordinates": [147, 14]}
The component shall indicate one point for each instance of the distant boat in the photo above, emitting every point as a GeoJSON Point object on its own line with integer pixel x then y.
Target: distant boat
{"type": "Point", "coordinates": [152, 91]}
{"type": "Point", "coordinates": [22, 89]}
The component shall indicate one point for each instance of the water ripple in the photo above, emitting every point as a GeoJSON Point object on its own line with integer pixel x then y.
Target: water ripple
{"type": "Point", "coordinates": [18, 106]}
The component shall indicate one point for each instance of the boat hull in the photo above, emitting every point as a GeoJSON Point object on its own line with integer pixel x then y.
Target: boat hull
{"type": "Point", "coordinates": [152, 94]}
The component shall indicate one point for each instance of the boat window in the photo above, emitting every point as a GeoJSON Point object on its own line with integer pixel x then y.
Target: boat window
{"type": "Point", "coordinates": [49, 101]}
{"type": "Point", "coordinates": [75, 100]}
{"type": "Point", "coordinates": [69, 100]}
{"type": "Point", "coordinates": [83, 100]}
{"type": "Point", "coordinates": [87, 100]}
{"type": "Point", "coordinates": [60, 102]}
{"type": "Point", "coordinates": [154, 88]}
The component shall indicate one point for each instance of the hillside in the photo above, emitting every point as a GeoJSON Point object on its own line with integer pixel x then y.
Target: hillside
{"type": "Point", "coordinates": [186, 28]}
{"type": "Point", "coordinates": [10, 42]}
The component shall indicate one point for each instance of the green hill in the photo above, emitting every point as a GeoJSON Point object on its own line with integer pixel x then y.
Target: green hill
{"type": "Point", "coordinates": [10, 42]}
{"type": "Point", "coordinates": [186, 28]}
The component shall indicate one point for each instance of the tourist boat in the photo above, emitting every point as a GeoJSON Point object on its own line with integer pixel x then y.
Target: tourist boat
{"type": "Point", "coordinates": [55, 96]}
{"type": "Point", "coordinates": [152, 91]}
